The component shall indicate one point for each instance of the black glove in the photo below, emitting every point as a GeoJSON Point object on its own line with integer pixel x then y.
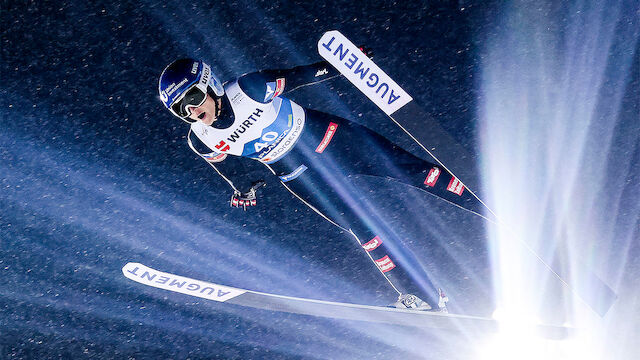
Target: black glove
{"type": "Point", "coordinates": [367, 51]}
{"type": "Point", "coordinates": [248, 198]}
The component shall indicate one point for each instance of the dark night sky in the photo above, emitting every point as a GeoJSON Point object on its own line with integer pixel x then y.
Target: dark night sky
{"type": "Point", "coordinates": [96, 173]}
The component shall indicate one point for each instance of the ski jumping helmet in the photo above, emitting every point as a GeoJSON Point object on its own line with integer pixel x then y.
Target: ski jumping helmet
{"type": "Point", "coordinates": [187, 82]}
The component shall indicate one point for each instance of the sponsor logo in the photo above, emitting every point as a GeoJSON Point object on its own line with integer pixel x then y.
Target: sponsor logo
{"type": "Point", "coordinates": [281, 147]}
{"type": "Point", "coordinates": [194, 68]}
{"type": "Point", "coordinates": [385, 264]}
{"type": "Point", "coordinates": [362, 72]}
{"type": "Point", "coordinates": [322, 72]}
{"type": "Point", "coordinates": [222, 146]}
{"type": "Point", "coordinates": [204, 78]}
{"type": "Point", "coordinates": [184, 285]}
{"type": "Point", "coordinates": [291, 176]}
{"type": "Point", "coordinates": [328, 135]}
{"type": "Point", "coordinates": [432, 177]}
{"type": "Point", "coordinates": [245, 125]}
{"type": "Point", "coordinates": [279, 87]}
{"type": "Point", "coordinates": [172, 88]}
{"type": "Point", "coordinates": [455, 186]}
{"type": "Point", "coordinates": [373, 244]}
{"type": "Point", "coordinates": [265, 149]}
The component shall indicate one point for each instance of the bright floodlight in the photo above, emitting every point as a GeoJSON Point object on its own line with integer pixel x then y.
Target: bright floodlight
{"type": "Point", "coordinates": [553, 83]}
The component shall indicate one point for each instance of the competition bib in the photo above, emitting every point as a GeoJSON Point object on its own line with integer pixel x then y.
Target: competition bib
{"type": "Point", "coordinates": [261, 131]}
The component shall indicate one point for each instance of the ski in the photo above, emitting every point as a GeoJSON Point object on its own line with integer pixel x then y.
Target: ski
{"type": "Point", "coordinates": [319, 308]}
{"type": "Point", "coordinates": [400, 107]}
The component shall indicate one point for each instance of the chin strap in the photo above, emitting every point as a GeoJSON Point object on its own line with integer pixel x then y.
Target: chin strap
{"type": "Point", "coordinates": [235, 190]}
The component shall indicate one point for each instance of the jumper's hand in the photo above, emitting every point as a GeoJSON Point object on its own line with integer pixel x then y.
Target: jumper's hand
{"type": "Point", "coordinates": [248, 198]}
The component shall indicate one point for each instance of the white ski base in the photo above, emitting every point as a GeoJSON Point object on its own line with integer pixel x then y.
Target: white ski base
{"type": "Point", "coordinates": [327, 309]}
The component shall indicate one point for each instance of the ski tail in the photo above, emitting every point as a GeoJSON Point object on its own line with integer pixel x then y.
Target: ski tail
{"type": "Point", "coordinates": [326, 309]}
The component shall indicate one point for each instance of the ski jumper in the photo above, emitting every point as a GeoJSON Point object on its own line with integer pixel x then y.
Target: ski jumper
{"type": "Point", "coordinates": [315, 155]}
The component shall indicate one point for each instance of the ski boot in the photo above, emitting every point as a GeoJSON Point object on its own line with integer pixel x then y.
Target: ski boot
{"type": "Point", "coordinates": [411, 302]}
{"type": "Point", "coordinates": [442, 301]}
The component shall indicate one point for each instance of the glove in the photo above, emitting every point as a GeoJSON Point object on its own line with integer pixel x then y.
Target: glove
{"type": "Point", "coordinates": [248, 198]}
{"type": "Point", "coordinates": [367, 51]}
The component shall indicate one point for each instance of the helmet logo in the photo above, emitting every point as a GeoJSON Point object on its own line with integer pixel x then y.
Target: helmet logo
{"type": "Point", "coordinates": [194, 68]}
{"type": "Point", "coordinates": [163, 96]}
{"type": "Point", "coordinates": [205, 76]}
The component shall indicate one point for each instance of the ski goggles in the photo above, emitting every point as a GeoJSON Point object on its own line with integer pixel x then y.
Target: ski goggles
{"type": "Point", "coordinates": [193, 98]}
